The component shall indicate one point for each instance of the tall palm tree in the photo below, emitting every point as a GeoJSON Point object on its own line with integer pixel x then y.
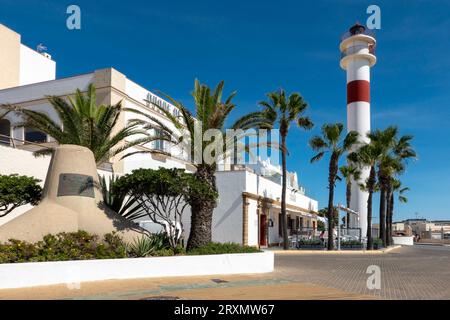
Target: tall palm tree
{"type": "Point", "coordinates": [284, 111]}
{"type": "Point", "coordinates": [386, 140]}
{"type": "Point", "coordinates": [368, 156]}
{"type": "Point", "coordinates": [211, 113]}
{"type": "Point", "coordinates": [331, 141]}
{"type": "Point", "coordinates": [402, 151]}
{"type": "Point", "coordinates": [85, 123]}
{"type": "Point", "coordinates": [398, 188]}
{"type": "Point", "coordinates": [350, 173]}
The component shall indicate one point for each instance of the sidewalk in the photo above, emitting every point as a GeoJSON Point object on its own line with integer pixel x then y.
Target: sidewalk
{"type": "Point", "coordinates": [325, 252]}
{"type": "Point", "coordinates": [250, 287]}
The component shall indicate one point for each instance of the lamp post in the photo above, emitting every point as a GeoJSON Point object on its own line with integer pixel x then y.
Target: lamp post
{"type": "Point", "coordinates": [346, 210]}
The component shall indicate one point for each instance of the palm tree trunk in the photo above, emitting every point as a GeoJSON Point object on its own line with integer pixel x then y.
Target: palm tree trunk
{"type": "Point", "coordinates": [388, 218]}
{"type": "Point", "coordinates": [348, 198]}
{"type": "Point", "coordinates": [383, 215]}
{"type": "Point", "coordinates": [371, 185]}
{"type": "Point", "coordinates": [202, 211]}
{"type": "Point", "coordinates": [331, 210]}
{"type": "Point", "coordinates": [391, 215]}
{"type": "Point", "coordinates": [283, 194]}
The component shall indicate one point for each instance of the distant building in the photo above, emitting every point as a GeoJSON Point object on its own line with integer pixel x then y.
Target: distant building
{"type": "Point", "coordinates": [426, 229]}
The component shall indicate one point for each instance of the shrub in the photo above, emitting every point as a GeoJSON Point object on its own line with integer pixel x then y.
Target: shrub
{"type": "Point", "coordinates": [222, 248]}
{"type": "Point", "coordinates": [16, 191]}
{"type": "Point", "coordinates": [351, 243]}
{"type": "Point", "coordinates": [313, 242]}
{"type": "Point", "coordinates": [149, 244]}
{"type": "Point", "coordinates": [377, 242]}
{"type": "Point", "coordinates": [64, 246]}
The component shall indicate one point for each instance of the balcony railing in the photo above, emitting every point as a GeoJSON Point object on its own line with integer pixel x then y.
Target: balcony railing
{"type": "Point", "coordinates": [357, 49]}
{"type": "Point", "coordinates": [366, 32]}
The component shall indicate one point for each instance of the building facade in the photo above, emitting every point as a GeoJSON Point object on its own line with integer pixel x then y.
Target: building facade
{"type": "Point", "coordinates": [248, 197]}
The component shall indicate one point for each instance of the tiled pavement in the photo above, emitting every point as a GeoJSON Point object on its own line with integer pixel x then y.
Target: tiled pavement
{"type": "Point", "coordinates": [419, 272]}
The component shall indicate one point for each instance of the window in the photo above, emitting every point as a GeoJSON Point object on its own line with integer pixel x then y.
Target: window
{"type": "Point", "coordinates": [159, 144]}
{"type": "Point", "coordinates": [34, 135]}
{"type": "Point", "coordinates": [5, 131]}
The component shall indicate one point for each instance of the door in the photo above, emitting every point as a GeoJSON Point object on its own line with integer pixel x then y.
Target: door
{"type": "Point", "coordinates": [263, 230]}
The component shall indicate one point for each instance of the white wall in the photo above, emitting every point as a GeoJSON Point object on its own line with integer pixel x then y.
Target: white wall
{"type": "Point", "coordinates": [20, 275]}
{"type": "Point", "coordinates": [34, 67]}
{"type": "Point", "coordinates": [227, 218]}
{"type": "Point", "coordinates": [40, 90]}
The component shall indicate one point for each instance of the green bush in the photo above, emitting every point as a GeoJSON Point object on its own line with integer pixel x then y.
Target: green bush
{"type": "Point", "coordinates": [313, 242]}
{"type": "Point", "coordinates": [221, 248]}
{"type": "Point", "coordinates": [377, 242]}
{"type": "Point", "coordinates": [351, 243]}
{"type": "Point", "coordinates": [16, 191]}
{"type": "Point", "coordinates": [64, 246]}
{"type": "Point", "coordinates": [149, 244]}
{"type": "Point", "coordinates": [84, 246]}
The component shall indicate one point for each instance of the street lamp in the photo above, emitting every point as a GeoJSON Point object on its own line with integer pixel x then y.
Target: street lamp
{"type": "Point", "coordinates": [346, 210]}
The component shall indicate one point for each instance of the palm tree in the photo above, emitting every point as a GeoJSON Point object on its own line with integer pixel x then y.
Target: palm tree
{"type": "Point", "coordinates": [332, 141]}
{"type": "Point", "coordinates": [385, 139]}
{"type": "Point", "coordinates": [349, 173]}
{"type": "Point", "coordinates": [368, 156]}
{"type": "Point", "coordinates": [4, 113]}
{"type": "Point", "coordinates": [398, 188]}
{"type": "Point", "coordinates": [402, 151]}
{"type": "Point", "coordinates": [396, 152]}
{"type": "Point", "coordinates": [285, 110]}
{"type": "Point", "coordinates": [211, 113]}
{"type": "Point", "coordinates": [84, 123]}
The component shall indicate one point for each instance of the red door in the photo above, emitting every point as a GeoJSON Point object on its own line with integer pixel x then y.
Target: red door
{"type": "Point", "coordinates": [263, 230]}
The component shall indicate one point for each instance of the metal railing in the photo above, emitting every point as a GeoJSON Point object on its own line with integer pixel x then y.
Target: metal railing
{"type": "Point", "coordinates": [357, 49]}
{"type": "Point", "coordinates": [8, 141]}
{"type": "Point", "coordinates": [366, 32]}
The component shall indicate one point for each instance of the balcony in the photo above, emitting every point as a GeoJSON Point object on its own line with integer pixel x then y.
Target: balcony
{"type": "Point", "coordinates": [357, 31]}
{"type": "Point", "coordinates": [357, 49]}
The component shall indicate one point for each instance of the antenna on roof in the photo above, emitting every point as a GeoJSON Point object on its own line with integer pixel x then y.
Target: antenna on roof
{"type": "Point", "coordinates": [41, 48]}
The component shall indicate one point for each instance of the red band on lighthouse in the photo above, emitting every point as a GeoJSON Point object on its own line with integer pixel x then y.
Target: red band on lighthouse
{"type": "Point", "coordinates": [358, 90]}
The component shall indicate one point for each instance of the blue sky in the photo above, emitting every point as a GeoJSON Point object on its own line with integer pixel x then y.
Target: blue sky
{"type": "Point", "coordinates": [260, 46]}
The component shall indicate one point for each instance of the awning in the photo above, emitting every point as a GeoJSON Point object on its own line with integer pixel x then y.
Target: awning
{"type": "Point", "coordinates": [309, 215]}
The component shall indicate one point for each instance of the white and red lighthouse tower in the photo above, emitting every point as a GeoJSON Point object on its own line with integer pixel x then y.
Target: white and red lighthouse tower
{"type": "Point", "coordinates": [358, 56]}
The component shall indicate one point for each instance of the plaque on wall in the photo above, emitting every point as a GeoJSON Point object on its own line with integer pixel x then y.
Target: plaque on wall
{"type": "Point", "coordinates": [72, 184]}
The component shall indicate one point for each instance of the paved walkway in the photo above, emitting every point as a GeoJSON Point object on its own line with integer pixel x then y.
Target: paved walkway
{"type": "Point", "coordinates": [420, 272]}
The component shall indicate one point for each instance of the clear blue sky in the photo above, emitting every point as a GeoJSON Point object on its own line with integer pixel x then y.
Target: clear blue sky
{"type": "Point", "coordinates": [259, 46]}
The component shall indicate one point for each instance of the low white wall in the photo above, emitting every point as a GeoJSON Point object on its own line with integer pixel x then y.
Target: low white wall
{"type": "Point", "coordinates": [20, 275]}
{"type": "Point", "coordinates": [404, 241]}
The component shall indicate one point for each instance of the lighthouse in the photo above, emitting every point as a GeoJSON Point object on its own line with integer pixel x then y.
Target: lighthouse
{"type": "Point", "coordinates": [357, 57]}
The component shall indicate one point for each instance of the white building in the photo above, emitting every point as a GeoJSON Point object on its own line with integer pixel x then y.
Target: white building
{"type": "Point", "coordinates": [248, 201]}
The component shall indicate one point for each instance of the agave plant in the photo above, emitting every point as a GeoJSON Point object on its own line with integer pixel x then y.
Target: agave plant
{"type": "Point", "coordinates": [147, 244]}
{"type": "Point", "coordinates": [119, 201]}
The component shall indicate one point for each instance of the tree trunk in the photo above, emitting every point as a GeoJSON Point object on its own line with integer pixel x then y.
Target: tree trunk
{"type": "Point", "coordinates": [331, 180]}
{"type": "Point", "coordinates": [383, 215]}
{"type": "Point", "coordinates": [348, 198]}
{"type": "Point", "coordinates": [283, 194]}
{"type": "Point", "coordinates": [391, 215]}
{"type": "Point", "coordinates": [202, 210]}
{"type": "Point", "coordinates": [388, 217]}
{"type": "Point", "coordinates": [371, 185]}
